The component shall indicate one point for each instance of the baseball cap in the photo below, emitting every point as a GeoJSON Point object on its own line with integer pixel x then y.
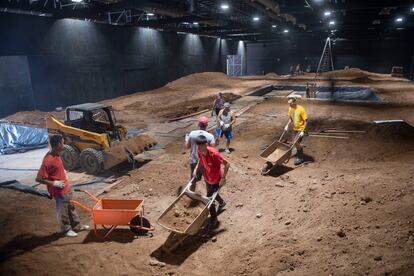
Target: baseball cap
{"type": "Point", "coordinates": [292, 100]}
{"type": "Point", "coordinates": [203, 120]}
{"type": "Point", "coordinates": [226, 105]}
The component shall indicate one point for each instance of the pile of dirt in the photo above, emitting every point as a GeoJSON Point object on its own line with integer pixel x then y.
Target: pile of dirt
{"type": "Point", "coordinates": [359, 74]}
{"type": "Point", "coordinates": [32, 118]}
{"type": "Point", "coordinates": [192, 106]}
{"type": "Point", "coordinates": [322, 124]}
{"type": "Point", "coordinates": [392, 131]}
{"type": "Point", "coordinates": [272, 75]}
{"type": "Point", "coordinates": [184, 212]}
{"type": "Point", "coordinates": [199, 79]}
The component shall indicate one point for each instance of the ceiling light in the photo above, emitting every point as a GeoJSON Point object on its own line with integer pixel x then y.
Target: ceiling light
{"type": "Point", "coordinates": [285, 31]}
{"type": "Point", "coordinates": [149, 14]}
{"type": "Point", "coordinates": [412, 9]}
{"type": "Point", "coordinates": [274, 26]}
{"type": "Point", "coordinates": [331, 23]}
{"type": "Point", "coordinates": [327, 13]}
{"type": "Point", "coordinates": [195, 23]}
{"type": "Point", "coordinates": [224, 6]}
{"type": "Point", "coordinates": [399, 19]}
{"type": "Point", "coordinates": [77, 1]}
{"type": "Point", "coordinates": [256, 18]}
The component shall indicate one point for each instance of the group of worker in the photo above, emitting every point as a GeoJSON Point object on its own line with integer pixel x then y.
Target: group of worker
{"type": "Point", "coordinates": [205, 160]}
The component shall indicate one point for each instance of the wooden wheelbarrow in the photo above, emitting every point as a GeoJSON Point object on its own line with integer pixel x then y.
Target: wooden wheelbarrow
{"type": "Point", "coordinates": [277, 153]}
{"type": "Point", "coordinates": [188, 203]}
{"type": "Point", "coordinates": [112, 212]}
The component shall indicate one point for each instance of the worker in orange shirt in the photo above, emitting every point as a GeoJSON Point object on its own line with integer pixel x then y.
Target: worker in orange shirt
{"type": "Point", "coordinates": [299, 118]}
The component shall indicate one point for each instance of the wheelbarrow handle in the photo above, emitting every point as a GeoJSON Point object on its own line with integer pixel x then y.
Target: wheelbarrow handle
{"type": "Point", "coordinates": [281, 136]}
{"type": "Point", "coordinates": [81, 205]}
{"type": "Point", "coordinates": [88, 194]}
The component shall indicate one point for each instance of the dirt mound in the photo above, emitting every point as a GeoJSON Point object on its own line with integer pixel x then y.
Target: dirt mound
{"type": "Point", "coordinates": [272, 75]}
{"type": "Point", "coordinates": [392, 131]}
{"type": "Point", "coordinates": [326, 124]}
{"type": "Point", "coordinates": [32, 118]}
{"type": "Point", "coordinates": [199, 79]}
{"type": "Point", "coordinates": [192, 106]}
{"type": "Point", "coordinates": [359, 74]}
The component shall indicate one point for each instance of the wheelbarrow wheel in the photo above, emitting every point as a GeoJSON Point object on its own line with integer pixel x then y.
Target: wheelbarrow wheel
{"type": "Point", "coordinates": [266, 168]}
{"type": "Point", "coordinates": [136, 221]}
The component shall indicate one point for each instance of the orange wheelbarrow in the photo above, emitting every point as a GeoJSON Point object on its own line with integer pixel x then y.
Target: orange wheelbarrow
{"type": "Point", "coordinates": [112, 212]}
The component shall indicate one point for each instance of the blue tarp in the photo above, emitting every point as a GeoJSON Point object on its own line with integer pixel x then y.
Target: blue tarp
{"type": "Point", "coordinates": [17, 138]}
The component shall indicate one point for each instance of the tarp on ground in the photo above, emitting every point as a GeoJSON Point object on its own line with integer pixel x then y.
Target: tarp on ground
{"type": "Point", "coordinates": [17, 138]}
{"type": "Point", "coordinates": [16, 185]}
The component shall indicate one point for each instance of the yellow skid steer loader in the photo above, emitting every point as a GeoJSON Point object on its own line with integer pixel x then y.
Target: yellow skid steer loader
{"type": "Point", "coordinates": [93, 141]}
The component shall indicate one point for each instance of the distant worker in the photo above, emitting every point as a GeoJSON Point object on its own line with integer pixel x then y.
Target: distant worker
{"type": "Point", "coordinates": [190, 142]}
{"type": "Point", "coordinates": [52, 174]}
{"type": "Point", "coordinates": [292, 72]}
{"type": "Point", "coordinates": [299, 118]}
{"type": "Point", "coordinates": [308, 91]}
{"type": "Point", "coordinates": [225, 122]}
{"type": "Point", "coordinates": [298, 70]}
{"type": "Point", "coordinates": [217, 105]}
{"type": "Point", "coordinates": [214, 175]}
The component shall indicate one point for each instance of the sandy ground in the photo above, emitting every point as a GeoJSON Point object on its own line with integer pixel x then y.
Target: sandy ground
{"type": "Point", "coordinates": [347, 211]}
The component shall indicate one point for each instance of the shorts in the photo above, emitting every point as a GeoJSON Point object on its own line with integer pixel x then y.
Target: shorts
{"type": "Point", "coordinates": [295, 133]}
{"type": "Point", "coordinates": [227, 134]}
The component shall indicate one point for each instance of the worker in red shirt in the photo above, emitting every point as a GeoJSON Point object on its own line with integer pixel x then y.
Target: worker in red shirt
{"type": "Point", "coordinates": [214, 174]}
{"type": "Point", "coordinates": [52, 174]}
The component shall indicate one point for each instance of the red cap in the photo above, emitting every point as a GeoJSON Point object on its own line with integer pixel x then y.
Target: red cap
{"type": "Point", "coordinates": [203, 120]}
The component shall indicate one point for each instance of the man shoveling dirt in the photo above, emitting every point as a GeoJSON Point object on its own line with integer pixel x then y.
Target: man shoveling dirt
{"type": "Point", "coordinates": [298, 116]}
{"type": "Point", "coordinates": [52, 174]}
{"type": "Point", "coordinates": [214, 175]}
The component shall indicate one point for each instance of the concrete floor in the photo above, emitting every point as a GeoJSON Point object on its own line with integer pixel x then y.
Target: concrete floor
{"type": "Point", "coordinates": [21, 166]}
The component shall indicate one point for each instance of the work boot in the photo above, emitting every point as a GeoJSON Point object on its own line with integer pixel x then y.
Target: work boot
{"type": "Point", "coordinates": [299, 157]}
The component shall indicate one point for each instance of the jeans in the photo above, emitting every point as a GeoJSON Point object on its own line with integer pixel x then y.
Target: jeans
{"type": "Point", "coordinates": [211, 189]}
{"type": "Point", "coordinates": [66, 215]}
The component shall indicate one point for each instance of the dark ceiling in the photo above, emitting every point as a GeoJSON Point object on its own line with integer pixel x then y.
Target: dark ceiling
{"type": "Point", "coordinates": [276, 19]}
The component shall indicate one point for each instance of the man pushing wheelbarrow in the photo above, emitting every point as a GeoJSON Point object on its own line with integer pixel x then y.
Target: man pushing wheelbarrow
{"type": "Point", "coordinates": [299, 118]}
{"type": "Point", "coordinates": [279, 152]}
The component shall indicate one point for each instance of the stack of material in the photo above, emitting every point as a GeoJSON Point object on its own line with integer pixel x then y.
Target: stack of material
{"type": "Point", "coordinates": [334, 133]}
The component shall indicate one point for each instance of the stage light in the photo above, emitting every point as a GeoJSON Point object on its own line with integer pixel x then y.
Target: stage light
{"type": "Point", "coordinates": [224, 6]}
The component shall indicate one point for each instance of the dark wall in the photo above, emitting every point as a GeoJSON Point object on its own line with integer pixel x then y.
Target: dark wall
{"type": "Point", "coordinates": [372, 55]}
{"type": "Point", "coordinates": [46, 63]}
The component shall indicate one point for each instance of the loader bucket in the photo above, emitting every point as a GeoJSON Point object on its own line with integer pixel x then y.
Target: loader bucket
{"type": "Point", "coordinates": [120, 152]}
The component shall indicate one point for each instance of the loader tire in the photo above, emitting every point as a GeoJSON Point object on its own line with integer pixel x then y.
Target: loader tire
{"type": "Point", "coordinates": [70, 157]}
{"type": "Point", "coordinates": [91, 161]}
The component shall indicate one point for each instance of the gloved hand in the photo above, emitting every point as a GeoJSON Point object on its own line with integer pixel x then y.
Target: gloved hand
{"type": "Point", "coordinates": [187, 137]}
{"type": "Point", "coordinates": [286, 127]}
{"type": "Point", "coordinates": [221, 123]}
{"type": "Point", "coordinates": [58, 184]}
{"type": "Point", "coordinates": [222, 182]}
{"type": "Point", "coordinates": [226, 126]}
{"type": "Point", "coordinates": [301, 134]}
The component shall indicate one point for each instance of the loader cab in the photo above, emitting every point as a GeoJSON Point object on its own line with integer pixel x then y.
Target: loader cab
{"type": "Point", "coordinates": [93, 117]}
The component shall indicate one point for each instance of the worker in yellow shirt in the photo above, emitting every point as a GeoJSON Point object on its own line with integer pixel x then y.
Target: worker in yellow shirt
{"type": "Point", "coordinates": [298, 116]}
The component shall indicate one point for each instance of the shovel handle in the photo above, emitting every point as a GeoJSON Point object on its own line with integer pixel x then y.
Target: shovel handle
{"type": "Point", "coordinates": [281, 136]}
